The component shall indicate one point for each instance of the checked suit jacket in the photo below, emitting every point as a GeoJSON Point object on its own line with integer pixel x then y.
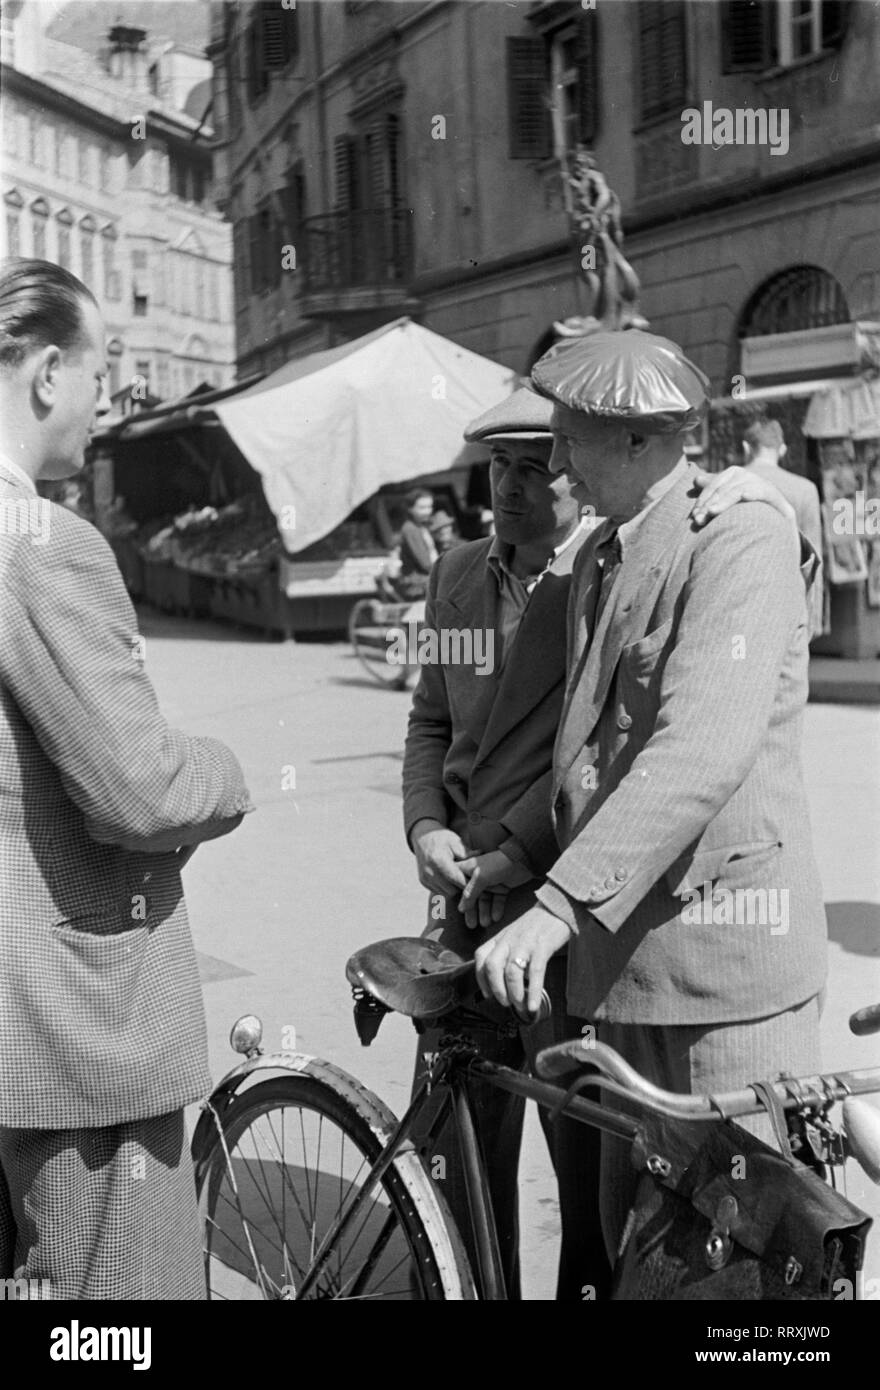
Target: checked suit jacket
{"type": "Point", "coordinates": [479, 748]}
{"type": "Point", "coordinates": [101, 1016]}
{"type": "Point", "coordinates": [678, 765]}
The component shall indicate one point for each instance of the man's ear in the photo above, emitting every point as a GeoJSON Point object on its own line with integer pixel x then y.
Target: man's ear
{"type": "Point", "coordinates": [782, 451]}
{"type": "Point", "coordinates": [638, 443]}
{"type": "Point", "coordinates": [45, 375]}
{"type": "Point", "coordinates": [747, 451]}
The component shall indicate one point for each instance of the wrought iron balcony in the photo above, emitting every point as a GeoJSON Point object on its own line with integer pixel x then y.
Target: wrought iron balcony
{"type": "Point", "coordinates": [363, 249]}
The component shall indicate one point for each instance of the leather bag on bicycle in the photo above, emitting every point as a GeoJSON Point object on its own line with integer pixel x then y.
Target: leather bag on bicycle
{"type": "Point", "coordinates": [720, 1215]}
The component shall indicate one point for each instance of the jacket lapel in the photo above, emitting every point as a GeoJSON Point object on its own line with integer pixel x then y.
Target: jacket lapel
{"type": "Point", "coordinates": [646, 562]}
{"type": "Point", "coordinates": [535, 662]}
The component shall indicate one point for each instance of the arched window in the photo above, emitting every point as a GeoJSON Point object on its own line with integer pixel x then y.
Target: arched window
{"type": "Point", "coordinates": [39, 219]}
{"type": "Point", "coordinates": [65, 221]}
{"type": "Point", "coordinates": [87, 229]}
{"type": "Point", "coordinates": [801, 297]}
{"type": "Point", "coordinates": [114, 358]}
{"type": "Point", "coordinates": [14, 203]}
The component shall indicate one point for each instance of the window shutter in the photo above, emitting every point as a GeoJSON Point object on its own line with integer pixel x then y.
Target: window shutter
{"type": "Point", "coordinates": [255, 253]}
{"type": "Point", "coordinates": [294, 203]}
{"type": "Point", "coordinates": [374, 164]}
{"type": "Point", "coordinates": [274, 35]}
{"type": "Point", "coordinates": [291, 35]}
{"type": "Point", "coordinates": [748, 36]}
{"type": "Point", "coordinates": [588, 78]}
{"type": "Point", "coordinates": [835, 17]}
{"type": "Point", "coordinates": [528, 84]}
{"type": "Point", "coordinates": [662, 57]}
{"type": "Point", "coordinates": [344, 172]}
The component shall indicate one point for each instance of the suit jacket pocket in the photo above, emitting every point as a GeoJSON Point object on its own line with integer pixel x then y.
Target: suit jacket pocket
{"type": "Point", "coordinates": [101, 971]}
{"type": "Point", "coordinates": [641, 657]}
{"type": "Point", "coordinates": [734, 865]}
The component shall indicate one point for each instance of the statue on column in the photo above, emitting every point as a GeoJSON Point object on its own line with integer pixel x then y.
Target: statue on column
{"type": "Point", "coordinates": [595, 220]}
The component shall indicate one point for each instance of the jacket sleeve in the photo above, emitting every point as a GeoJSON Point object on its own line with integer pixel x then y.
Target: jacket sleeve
{"type": "Point", "coordinates": [429, 735]}
{"type": "Point", "coordinates": [71, 658]}
{"type": "Point", "coordinates": [716, 698]}
{"type": "Point", "coordinates": [533, 841]}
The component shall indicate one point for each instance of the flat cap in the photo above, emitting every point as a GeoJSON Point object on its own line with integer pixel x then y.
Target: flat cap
{"type": "Point", "coordinates": [524, 415]}
{"type": "Point", "coordinates": [631, 377]}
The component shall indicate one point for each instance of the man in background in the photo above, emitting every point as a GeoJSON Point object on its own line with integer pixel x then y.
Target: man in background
{"type": "Point", "coordinates": [764, 448]}
{"type": "Point", "coordinates": [102, 1030]}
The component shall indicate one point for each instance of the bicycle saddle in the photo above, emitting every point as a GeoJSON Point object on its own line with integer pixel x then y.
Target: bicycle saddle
{"type": "Point", "coordinates": [412, 976]}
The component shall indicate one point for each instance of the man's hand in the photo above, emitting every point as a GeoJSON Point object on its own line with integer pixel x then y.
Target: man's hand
{"type": "Point", "coordinates": [437, 850]}
{"type": "Point", "coordinates": [511, 967]}
{"type": "Point", "coordinates": [718, 491]}
{"type": "Point", "coordinates": [490, 878]}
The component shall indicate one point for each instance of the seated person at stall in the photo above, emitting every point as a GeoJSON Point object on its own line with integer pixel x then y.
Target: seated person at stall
{"type": "Point", "coordinates": [417, 549]}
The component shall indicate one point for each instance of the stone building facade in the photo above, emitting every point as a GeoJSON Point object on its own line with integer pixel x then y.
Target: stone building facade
{"type": "Point", "coordinates": [107, 169]}
{"type": "Point", "coordinates": [407, 152]}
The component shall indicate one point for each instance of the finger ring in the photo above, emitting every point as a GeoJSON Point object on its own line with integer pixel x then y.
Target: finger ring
{"type": "Point", "coordinates": [518, 961]}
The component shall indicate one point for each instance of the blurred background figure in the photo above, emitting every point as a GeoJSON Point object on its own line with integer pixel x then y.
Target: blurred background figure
{"type": "Point", "coordinates": [764, 448]}
{"type": "Point", "coordinates": [417, 548]}
{"type": "Point", "coordinates": [444, 532]}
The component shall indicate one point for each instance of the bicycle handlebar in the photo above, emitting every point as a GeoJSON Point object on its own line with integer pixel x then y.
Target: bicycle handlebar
{"type": "Point", "coordinates": [865, 1021]}
{"type": "Point", "coordinates": [615, 1074]}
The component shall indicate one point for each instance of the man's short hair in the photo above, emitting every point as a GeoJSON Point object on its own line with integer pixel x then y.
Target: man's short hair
{"type": "Point", "coordinates": [40, 304]}
{"type": "Point", "coordinates": [415, 493]}
{"type": "Point", "coordinates": [764, 434]}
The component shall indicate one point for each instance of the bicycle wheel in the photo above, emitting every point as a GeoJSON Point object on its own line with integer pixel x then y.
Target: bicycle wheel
{"type": "Point", "coordinates": [368, 631]}
{"type": "Point", "coordinates": [293, 1149]}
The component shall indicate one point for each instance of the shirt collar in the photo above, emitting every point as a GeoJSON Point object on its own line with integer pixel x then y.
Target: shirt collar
{"type": "Point", "coordinates": [499, 551]}
{"type": "Point", "coordinates": [628, 530]}
{"type": "Point", "coordinates": [17, 474]}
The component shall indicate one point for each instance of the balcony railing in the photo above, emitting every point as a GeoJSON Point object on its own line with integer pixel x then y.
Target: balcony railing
{"type": "Point", "coordinates": [361, 249]}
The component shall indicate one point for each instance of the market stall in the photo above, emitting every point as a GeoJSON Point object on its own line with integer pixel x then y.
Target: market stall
{"type": "Point", "coordinates": [822, 386]}
{"type": "Point", "coordinates": [277, 503]}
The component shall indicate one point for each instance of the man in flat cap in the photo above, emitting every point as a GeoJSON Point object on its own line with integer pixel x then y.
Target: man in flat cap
{"type": "Point", "coordinates": [476, 780]}
{"type": "Point", "coordinates": [477, 793]}
{"type": "Point", "coordinates": [686, 890]}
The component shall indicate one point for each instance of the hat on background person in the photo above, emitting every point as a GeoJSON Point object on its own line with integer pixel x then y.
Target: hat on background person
{"type": "Point", "coordinates": [439, 520]}
{"type": "Point", "coordinates": [630, 377]}
{"type": "Point", "coordinates": [524, 415]}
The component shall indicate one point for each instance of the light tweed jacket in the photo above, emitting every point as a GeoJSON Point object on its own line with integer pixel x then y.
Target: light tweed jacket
{"type": "Point", "coordinates": [686, 706]}
{"type": "Point", "coordinates": [101, 1017]}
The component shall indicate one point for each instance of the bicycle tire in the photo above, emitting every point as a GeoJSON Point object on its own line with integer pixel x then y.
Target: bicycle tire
{"type": "Point", "coordinates": [369, 640]}
{"type": "Point", "coordinates": [414, 1239]}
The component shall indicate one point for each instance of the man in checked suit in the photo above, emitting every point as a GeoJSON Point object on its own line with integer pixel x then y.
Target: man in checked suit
{"type": "Point", "coordinates": [102, 1035]}
{"type": "Point", "coordinates": [676, 770]}
{"type": "Point", "coordinates": [477, 782]}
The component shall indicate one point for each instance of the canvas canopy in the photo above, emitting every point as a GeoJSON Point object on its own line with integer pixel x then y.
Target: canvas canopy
{"type": "Point", "coordinates": [327, 431]}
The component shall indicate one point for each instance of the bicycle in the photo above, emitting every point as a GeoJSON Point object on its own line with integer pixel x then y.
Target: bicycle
{"type": "Point", "coordinates": [353, 1213]}
{"type": "Point", "coordinates": [378, 622]}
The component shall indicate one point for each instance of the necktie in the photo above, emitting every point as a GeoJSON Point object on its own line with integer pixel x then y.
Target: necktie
{"type": "Point", "coordinates": [611, 556]}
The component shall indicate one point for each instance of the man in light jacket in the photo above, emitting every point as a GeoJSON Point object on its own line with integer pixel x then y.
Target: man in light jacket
{"type": "Point", "coordinates": [102, 1031]}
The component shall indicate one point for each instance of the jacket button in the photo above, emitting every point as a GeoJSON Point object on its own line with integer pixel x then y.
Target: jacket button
{"type": "Point", "coordinates": [594, 891]}
{"type": "Point", "coordinates": [474, 817]}
{"type": "Point", "coordinates": [609, 883]}
{"type": "Point", "coordinates": [624, 721]}
{"type": "Point", "coordinates": [620, 875]}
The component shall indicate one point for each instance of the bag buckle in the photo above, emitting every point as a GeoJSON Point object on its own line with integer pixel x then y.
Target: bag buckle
{"type": "Point", "coordinates": [719, 1243]}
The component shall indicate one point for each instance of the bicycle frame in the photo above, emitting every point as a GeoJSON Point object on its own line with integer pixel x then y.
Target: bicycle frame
{"type": "Point", "coordinates": [455, 1064]}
